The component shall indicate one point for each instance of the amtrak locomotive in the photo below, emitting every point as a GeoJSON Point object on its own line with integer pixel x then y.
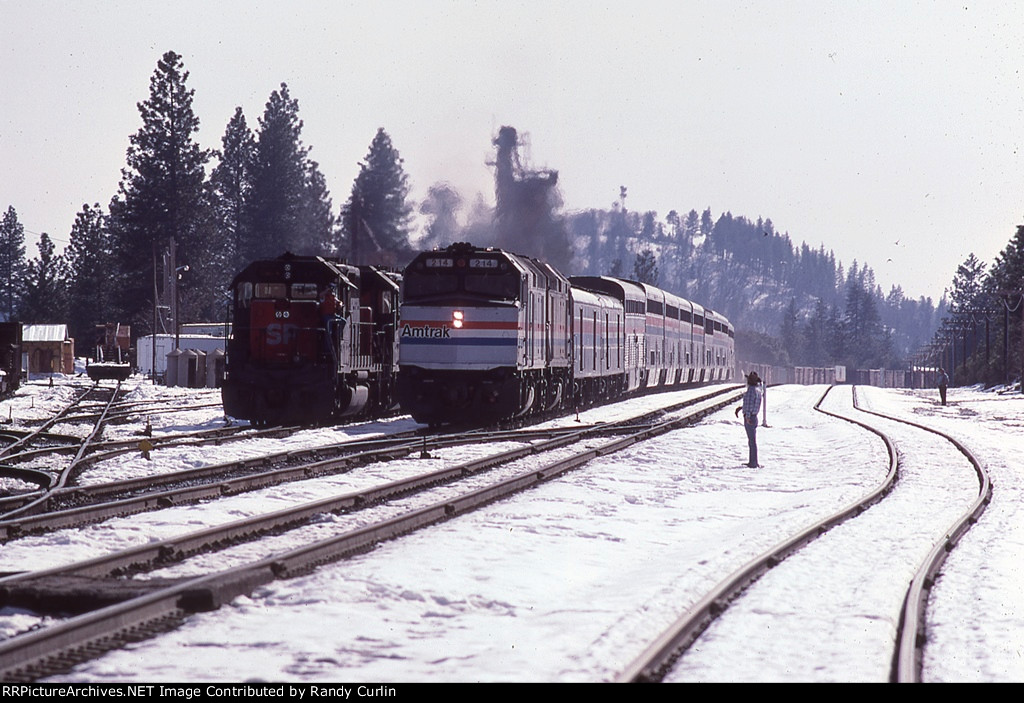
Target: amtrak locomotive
{"type": "Point", "coordinates": [487, 335]}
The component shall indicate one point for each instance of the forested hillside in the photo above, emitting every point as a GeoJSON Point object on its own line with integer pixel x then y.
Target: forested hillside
{"type": "Point", "coordinates": [790, 303]}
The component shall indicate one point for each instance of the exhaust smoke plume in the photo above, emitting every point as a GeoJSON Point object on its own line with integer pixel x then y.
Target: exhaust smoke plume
{"type": "Point", "coordinates": [524, 218]}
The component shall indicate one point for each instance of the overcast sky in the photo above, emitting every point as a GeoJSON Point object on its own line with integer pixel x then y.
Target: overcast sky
{"type": "Point", "coordinates": [892, 132]}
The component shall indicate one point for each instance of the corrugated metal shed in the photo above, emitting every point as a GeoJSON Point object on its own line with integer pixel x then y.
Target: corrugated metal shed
{"type": "Point", "coordinates": [44, 333]}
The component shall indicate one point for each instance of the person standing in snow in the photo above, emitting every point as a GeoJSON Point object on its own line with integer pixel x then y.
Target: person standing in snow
{"type": "Point", "coordinates": [943, 382]}
{"type": "Point", "coordinates": [751, 406]}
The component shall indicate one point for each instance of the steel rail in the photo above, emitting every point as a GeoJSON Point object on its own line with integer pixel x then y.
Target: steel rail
{"type": "Point", "coordinates": [111, 448]}
{"type": "Point", "coordinates": [28, 656]}
{"type": "Point", "coordinates": [911, 634]}
{"type": "Point", "coordinates": [41, 430]}
{"type": "Point", "coordinates": [653, 662]}
{"type": "Point", "coordinates": [182, 546]}
{"type": "Point", "coordinates": [233, 477]}
{"type": "Point", "coordinates": [61, 477]}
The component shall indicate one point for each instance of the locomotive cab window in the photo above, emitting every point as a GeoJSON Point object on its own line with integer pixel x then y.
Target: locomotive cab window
{"type": "Point", "coordinates": [494, 285]}
{"type": "Point", "coordinates": [270, 290]}
{"type": "Point", "coordinates": [484, 277]}
{"type": "Point", "coordinates": [419, 284]}
{"type": "Point", "coordinates": [243, 294]}
{"type": "Point", "coordinates": [304, 291]}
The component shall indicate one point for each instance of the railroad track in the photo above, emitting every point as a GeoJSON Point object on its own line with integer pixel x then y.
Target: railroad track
{"type": "Point", "coordinates": [129, 609]}
{"type": "Point", "coordinates": [74, 506]}
{"type": "Point", "coordinates": [51, 480]}
{"type": "Point", "coordinates": [913, 636]}
{"type": "Point", "coordinates": [654, 663]}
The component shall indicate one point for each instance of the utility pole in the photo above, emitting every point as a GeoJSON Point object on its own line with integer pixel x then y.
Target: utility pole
{"type": "Point", "coordinates": [155, 308]}
{"type": "Point", "coordinates": [172, 273]}
{"type": "Point", "coordinates": [1007, 296]}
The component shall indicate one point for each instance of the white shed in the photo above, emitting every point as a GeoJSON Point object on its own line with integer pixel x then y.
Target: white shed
{"type": "Point", "coordinates": [165, 345]}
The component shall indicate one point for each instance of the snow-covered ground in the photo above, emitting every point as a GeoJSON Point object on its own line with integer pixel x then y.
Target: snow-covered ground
{"type": "Point", "coordinates": [571, 580]}
{"type": "Point", "coordinates": [976, 616]}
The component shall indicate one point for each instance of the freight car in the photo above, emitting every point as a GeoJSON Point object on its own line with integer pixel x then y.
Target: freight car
{"type": "Point", "coordinates": [292, 361]}
{"type": "Point", "coordinates": [487, 334]}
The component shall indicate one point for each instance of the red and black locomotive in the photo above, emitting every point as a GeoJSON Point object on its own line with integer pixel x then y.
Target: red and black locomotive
{"type": "Point", "coordinates": [312, 340]}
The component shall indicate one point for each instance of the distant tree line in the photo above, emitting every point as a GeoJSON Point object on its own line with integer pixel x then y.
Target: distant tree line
{"type": "Point", "coordinates": [791, 305]}
{"type": "Point", "coordinates": [264, 195]}
{"type": "Point", "coordinates": [979, 339]}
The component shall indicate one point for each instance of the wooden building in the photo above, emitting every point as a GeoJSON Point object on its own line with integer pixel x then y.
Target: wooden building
{"type": "Point", "coordinates": [48, 349]}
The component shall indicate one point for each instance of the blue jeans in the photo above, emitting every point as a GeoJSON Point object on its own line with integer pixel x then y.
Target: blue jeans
{"type": "Point", "coordinates": [750, 425]}
{"type": "Point", "coordinates": [333, 324]}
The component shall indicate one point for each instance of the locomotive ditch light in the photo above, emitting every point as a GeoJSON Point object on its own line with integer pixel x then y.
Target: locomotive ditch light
{"type": "Point", "coordinates": [457, 319]}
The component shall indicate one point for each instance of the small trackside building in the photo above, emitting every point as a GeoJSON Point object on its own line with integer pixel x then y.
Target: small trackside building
{"type": "Point", "coordinates": [47, 349]}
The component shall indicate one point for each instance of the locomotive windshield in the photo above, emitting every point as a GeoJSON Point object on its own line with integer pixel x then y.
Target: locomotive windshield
{"type": "Point", "coordinates": [487, 278]}
{"type": "Point", "coordinates": [304, 291]}
{"type": "Point", "coordinates": [492, 285]}
{"type": "Point", "coordinates": [426, 285]}
{"type": "Point", "coordinates": [270, 290]}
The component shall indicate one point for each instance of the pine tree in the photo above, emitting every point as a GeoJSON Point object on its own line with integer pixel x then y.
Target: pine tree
{"type": "Point", "coordinates": [863, 334]}
{"type": "Point", "coordinates": [835, 344]}
{"type": "Point", "coordinates": [232, 186]}
{"type": "Point", "coordinates": [691, 228]}
{"type": "Point", "coordinates": [675, 226]}
{"type": "Point", "coordinates": [162, 194]}
{"type": "Point", "coordinates": [817, 337]}
{"type": "Point", "coordinates": [12, 263]}
{"type": "Point", "coordinates": [89, 257]}
{"type": "Point", "coordinates": [789, 333]}
{"type": "Point", "coordinates": [1007, 283]}
{"type": "Point", "coordinates": [707, 223]}
{"type": "Point", "coordinates": [645, 269]}
{"type": "Point", "coordinates": [1008, 270]}
{"type": "Point", "coordinates": [46, 279]}
{"type": "Point", "coordinates": [289, 206]}
{"type": "Point", "coordinates": [968, 284]}
{"type": "Point", "coordinates": [377, 217]}
{"type": "Point", "coordinates": [318, 219]}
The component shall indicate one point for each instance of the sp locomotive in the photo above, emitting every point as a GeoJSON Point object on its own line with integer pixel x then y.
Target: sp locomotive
{"type": "Point", "coordinates": [487, 334]}
{"type": "Point", "coordinates": [313, 340]}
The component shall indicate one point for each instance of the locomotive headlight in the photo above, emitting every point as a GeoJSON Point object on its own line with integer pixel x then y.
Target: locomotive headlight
{"type": "Point", "coordinates": [457, 318]}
